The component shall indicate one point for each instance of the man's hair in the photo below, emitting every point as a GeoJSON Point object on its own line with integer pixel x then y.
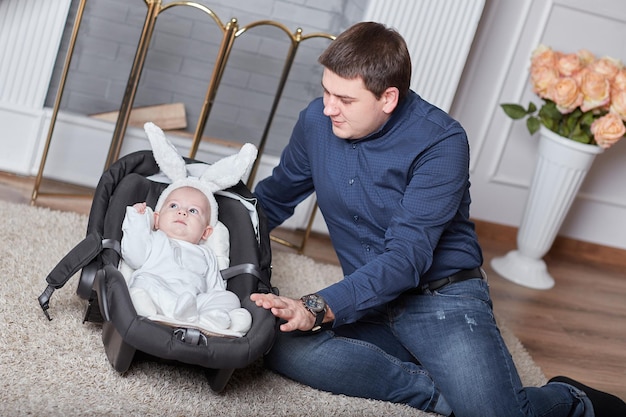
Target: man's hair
{"type": "Point", "coordinates": [375, 53]}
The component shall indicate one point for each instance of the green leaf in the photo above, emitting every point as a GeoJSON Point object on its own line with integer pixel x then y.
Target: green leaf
{"type": "Point", "coordinates": [514, 111]}
{"type": "Point", "coordinates": [550, 111]}
{"type": "Point", "coordinates": [531, 108]}
{"type": "Point", "coordinates": [576, 132]}
{"type": "Point", "coordinates": [533, 125]}
{"type": "Point", "coordinates": [580, 136]}
{"type": "Point", "coordinates": [549, 122]}
{"type": "Point", "coordinates": [576, 113]}
{"type": "Point", "coordinates": [571, 124]}
{"type": "Point", "coordinates": [587, 119]}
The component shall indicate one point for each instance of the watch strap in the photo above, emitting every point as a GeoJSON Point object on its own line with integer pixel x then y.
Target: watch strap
{"type": "Point", "coordinates": [319, 318]}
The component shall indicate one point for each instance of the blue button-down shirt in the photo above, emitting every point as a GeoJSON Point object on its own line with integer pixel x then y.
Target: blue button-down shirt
{"type": "Point", "coordinates": [396, 203]}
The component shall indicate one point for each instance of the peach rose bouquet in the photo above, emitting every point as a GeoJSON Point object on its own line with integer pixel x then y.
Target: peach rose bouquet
{"type": "Point", "coordinates": [584, 96]}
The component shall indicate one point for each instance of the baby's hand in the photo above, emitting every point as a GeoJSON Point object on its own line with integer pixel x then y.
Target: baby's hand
{"type": "Point", "coordinates": [140, 207]}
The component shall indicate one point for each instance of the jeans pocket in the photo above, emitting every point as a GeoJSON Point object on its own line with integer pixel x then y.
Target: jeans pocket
{"type": "Point", "coordinates": [475, 288]}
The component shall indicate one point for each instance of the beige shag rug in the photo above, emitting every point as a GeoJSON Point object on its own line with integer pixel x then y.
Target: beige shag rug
{"type": "Point", "coordinates": [59, 368]}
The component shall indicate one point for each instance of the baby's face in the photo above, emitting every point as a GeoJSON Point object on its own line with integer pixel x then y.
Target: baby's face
{"type": "Point", "coordinates": [185, 215]}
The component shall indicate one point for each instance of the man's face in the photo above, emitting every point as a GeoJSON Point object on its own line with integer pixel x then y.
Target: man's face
{"type": "Point", "coordinates": [185, 215]}
{"type": "Point", "coordinates": [354, 111]}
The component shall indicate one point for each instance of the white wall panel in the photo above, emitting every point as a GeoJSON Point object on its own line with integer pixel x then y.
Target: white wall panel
{"type": "Point", "coordinates": [503, 152]}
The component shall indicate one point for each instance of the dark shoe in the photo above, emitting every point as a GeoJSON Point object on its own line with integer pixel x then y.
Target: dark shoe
{"type": "Point", "coordinates": [604, 404]}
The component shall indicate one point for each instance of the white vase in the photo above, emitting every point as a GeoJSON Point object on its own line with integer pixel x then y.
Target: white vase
{"type": "Point", "coordinates": [561, 167]}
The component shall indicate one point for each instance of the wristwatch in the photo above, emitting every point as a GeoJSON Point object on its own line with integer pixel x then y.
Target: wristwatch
{"type": "Point", "coordinates": [317, 306]}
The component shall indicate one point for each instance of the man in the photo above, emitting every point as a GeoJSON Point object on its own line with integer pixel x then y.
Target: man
{"type": "Point", "coordinates": [412, 320]}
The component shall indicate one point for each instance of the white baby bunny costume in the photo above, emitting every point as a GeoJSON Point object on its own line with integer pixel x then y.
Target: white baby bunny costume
{"type": "Point", "coordinates": [175, 281]}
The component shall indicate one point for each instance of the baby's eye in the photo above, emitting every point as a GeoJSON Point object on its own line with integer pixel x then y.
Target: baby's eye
{"type": "Point", "coordinates": [173, 205]}
{"type": "Point", "coordinates": [193, 211]}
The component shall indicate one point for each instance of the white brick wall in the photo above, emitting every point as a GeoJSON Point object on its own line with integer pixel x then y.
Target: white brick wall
{"type": "Point", "coordinates": [180, 61]}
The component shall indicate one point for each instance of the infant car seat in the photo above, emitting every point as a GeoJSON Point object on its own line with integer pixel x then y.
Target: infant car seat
{"type": "Point", "coordinates": [130, 180]}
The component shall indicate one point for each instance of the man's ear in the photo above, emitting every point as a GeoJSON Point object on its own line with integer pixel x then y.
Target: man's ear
{"type": "Point", "coordinates": [390, 97]}
{"type": "Point", "coordinates": [207, 232]}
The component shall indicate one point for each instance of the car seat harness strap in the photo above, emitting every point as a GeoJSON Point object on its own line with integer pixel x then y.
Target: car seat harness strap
{"type": "Point", "coordinates": [247, 268]}
{"type": "Point", "coordinates": [82, 254]}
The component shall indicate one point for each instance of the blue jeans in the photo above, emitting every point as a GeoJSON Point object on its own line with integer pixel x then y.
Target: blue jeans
{"type": "Point", "coordinates": [440, 352]}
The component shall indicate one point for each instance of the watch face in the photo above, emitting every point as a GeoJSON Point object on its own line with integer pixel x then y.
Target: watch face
{"type": "Point", "coordinates": [314, 302]}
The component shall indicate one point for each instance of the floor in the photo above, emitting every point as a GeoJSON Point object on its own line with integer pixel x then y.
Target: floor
{"type": "Point", "coordinates": [577, 328]}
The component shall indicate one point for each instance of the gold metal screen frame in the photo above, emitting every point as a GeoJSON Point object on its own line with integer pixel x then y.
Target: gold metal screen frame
{"type": "Point", "coordinates": [230, 31]}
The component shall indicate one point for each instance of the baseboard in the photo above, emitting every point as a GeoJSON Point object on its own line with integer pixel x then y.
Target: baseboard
{"type": "Point", "coordinates": [563, 247]}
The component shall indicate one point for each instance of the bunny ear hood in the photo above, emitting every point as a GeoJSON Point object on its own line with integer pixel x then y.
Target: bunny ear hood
{"type": "Point", "coordinates": [221, 175]}
{"type": "Point", "coordinates": [165, 153]}
{"type": "Point", "coordinates": [228, 171]}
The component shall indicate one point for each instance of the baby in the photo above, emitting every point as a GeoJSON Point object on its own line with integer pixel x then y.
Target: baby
{"type": "Point", "coordinates": [175, 276]}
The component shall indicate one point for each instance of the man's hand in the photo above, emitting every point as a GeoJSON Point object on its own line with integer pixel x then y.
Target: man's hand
{"type": "Point", "coordinates": [293, 311]}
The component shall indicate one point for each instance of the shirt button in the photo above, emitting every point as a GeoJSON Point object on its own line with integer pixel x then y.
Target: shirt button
{"type": "Point", "coordinates": [355, 218]}
{"type": "Point", "coordinates": [351, 181]}
{"type": "Point", "coordinates": [354, 146]}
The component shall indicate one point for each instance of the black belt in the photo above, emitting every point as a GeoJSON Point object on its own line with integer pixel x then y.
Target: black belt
{"type": "Point", "coordinates": [462, 275]}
